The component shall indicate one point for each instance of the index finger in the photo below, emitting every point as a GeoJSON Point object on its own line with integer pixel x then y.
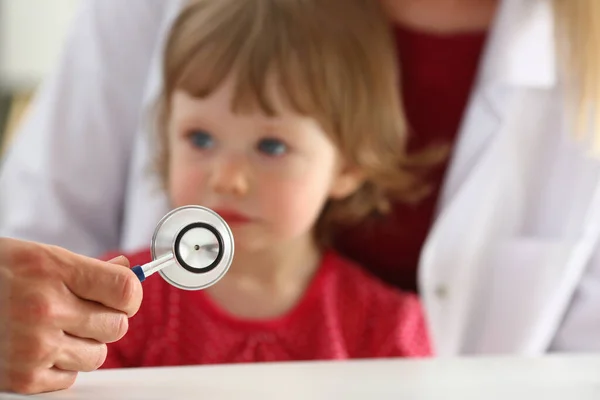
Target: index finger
{"type": "Point", "coordinates": [103, 282]}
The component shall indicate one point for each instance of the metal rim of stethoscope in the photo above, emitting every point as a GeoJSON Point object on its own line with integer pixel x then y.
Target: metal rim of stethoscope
{"type": "Point", "coordinates": [181, 274]}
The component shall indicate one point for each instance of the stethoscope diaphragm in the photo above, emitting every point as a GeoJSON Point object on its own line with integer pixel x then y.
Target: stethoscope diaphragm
{"type": "Point", "coordinates": [192, 248]}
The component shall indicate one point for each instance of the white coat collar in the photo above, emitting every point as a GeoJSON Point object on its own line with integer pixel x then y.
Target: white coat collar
{"type": "Point", "coordinates": [521, 51]}
{"type": "Point", "coordinates": [520, 54]}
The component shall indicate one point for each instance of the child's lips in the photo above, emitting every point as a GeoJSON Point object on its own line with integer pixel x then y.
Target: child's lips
{"type": "Point", "coordinates": [232, 217]}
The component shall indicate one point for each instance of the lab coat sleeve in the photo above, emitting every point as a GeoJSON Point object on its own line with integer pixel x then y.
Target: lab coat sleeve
{"type": "Point", "coordinates": [64, 178]}
{"type": "Point", "coordinates": [580, 328]}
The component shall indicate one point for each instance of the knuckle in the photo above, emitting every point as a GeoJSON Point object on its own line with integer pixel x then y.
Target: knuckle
{"type": "Point", "coordinates": [17, 253]}
{"type": "Point", "coordinates": [120, 326]}
{"type": "Point", "coordinates": [110, 327]}
{"type": "Point", "coordinates": [100, 356]}
{"type": "Point", "coordinates": [129, 290]}
{"type": "Point", "coordinates": [37, 308]}
{"type": "Point", "coordinates": [30, 258]}
{"type": "Point", "coordinates": [32, 382]}
{"type": "Point", "coordinates": [24, 382]}
{"type": "Point", "coordinates": [35, 351]}
{"type": "Point", "coordinates": [33, 261]}
{"type": "Point", "coordinates": [69, 381]}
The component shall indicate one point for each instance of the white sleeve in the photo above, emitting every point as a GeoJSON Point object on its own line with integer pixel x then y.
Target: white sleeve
{"type": "Point", "coordinates": [579, 330]}
{"type": "Point", "coordinates": [64, 178]}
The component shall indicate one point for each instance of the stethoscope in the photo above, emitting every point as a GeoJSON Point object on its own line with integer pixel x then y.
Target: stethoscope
{"type": "Point", "coordinates": [192, 248]}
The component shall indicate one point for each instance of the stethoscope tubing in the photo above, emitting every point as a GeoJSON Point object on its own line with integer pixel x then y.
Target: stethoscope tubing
{"type": "Point", "coordinates": [145, 270]}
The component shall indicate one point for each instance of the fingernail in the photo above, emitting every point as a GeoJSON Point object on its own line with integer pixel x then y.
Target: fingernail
{"type": "Point", "coordinates": [114, 260]}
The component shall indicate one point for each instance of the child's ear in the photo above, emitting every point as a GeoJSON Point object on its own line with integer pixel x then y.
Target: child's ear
{"type": "Point", "coordinates": [348, 180]}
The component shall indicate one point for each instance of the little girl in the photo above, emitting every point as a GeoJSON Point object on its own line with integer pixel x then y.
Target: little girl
{"type": "Point", "coordinates": [282, 116]}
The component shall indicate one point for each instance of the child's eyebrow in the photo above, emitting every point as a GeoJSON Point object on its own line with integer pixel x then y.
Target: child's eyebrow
{"type": "Point", "coordinates": [274, 122]}
{"type": "Point", "coordinates": [193, 119]}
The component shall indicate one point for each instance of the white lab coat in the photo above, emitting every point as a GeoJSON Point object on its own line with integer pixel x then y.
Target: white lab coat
{"type": "Point", "coordinates": [511, 264]}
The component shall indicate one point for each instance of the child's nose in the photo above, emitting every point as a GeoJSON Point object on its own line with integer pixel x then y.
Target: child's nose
{"type": "Point", "coordinates": [230, 177]}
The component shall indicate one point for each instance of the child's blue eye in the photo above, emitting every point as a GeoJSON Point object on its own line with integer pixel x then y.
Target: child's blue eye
{"type": "Point", "coordinates": [272, 147]}
{"type": "Point", "coordinates": [201, 140]}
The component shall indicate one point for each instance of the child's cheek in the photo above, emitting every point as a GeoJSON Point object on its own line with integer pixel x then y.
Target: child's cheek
{"type": "Point", "coordinates": [294, 206]}
{"type": "Point", "coordinates": [185, 186]}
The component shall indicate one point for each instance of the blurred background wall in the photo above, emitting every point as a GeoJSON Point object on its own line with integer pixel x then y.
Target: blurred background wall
{"type": "Point", "coordinates": [31, 37]}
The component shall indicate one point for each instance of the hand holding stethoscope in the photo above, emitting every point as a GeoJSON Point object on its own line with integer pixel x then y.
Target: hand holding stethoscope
{"type": "Point", "coordinates": [192, 248]}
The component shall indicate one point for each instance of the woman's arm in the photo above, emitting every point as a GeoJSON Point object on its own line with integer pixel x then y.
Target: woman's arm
{"type": "Point", "coordinates": [63, 180]}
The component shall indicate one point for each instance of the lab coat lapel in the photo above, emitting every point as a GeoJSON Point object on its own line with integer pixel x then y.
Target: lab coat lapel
{"type": "Point", "coordinates": [520, 54]}
{"type": "Point", "coordinates": [486, 166]}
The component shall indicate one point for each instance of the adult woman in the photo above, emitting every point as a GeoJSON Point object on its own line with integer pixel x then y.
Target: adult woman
{"type": "Point", "coordinates": [509, 264]}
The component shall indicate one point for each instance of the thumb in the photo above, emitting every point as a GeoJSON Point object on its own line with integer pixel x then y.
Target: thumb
{"type": "Point", "coordinates": [120, 260]}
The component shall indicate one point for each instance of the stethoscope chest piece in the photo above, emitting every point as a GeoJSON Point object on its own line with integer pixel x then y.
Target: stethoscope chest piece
{"type": "Point", "coordinates": [194, 247]}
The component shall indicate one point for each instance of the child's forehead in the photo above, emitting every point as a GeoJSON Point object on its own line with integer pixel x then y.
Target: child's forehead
{"type": "Point", "coordinates": [193, 113]}
{"type": "Point", "coordinates": [271, 101]}
{"type": "Point", "coordinates": [219, 106]}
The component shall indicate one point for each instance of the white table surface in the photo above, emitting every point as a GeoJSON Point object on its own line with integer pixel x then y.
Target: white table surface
{"type": "Point", "coordinates": [548, 378]}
